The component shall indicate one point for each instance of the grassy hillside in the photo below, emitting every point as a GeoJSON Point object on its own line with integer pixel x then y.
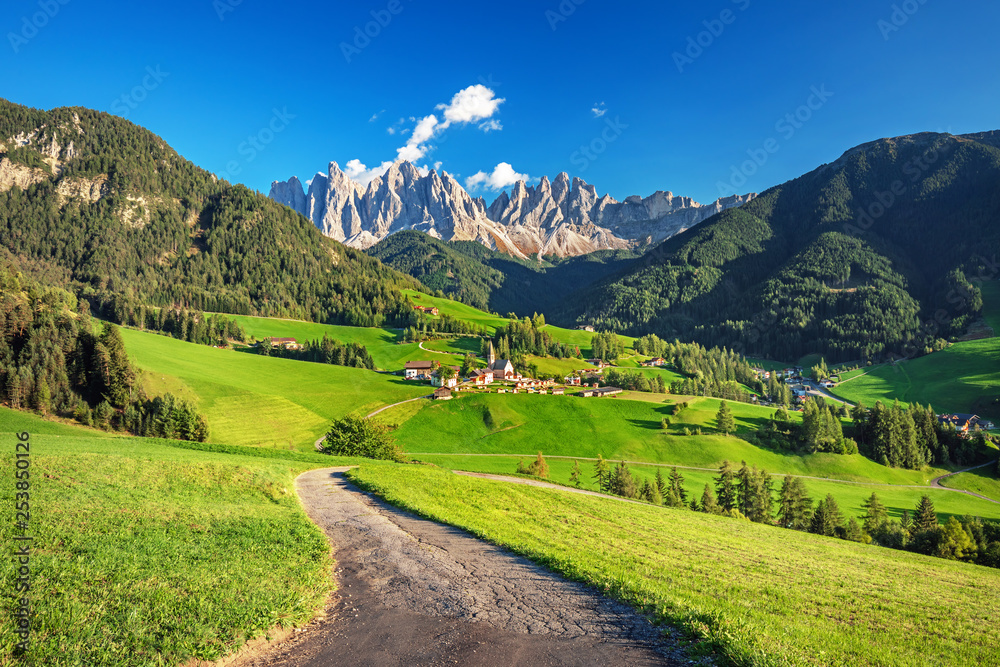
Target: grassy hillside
{"type": "Point", "coordinates": [254, 400]}
{"type": "Point", "coordinates": [760, 595]}
{"type": "Point", "coordinates": [491, 322]}
{"type": "Point", "coordinates": [382, 343]}
{"type": "Point", "coordinates": [962, 378]}
{"type": "Point", "coordinates": [148, 553]}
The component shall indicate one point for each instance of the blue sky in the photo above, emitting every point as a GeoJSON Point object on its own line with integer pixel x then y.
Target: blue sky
{"type": "Point", "coordinates": [207, 75]}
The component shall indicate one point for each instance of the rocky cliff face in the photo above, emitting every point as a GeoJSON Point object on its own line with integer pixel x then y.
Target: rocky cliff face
{"type": "Point", "coordinates": [559, 217]}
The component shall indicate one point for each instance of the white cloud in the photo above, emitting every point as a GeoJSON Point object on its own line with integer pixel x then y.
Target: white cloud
{"type": "Point", "coordinates": [469, 105]}
{"type": "Point", "coordinates": [598, 110]}
{"type": "Point", "coordinates": [475, 104]}
{"type": "Point", "coordinates": [490, 125]}
{"type": "Point", "coordinates": [376, 115]}
{"type": "Point", "coordinates": [503, 175]}
{"type": "Point", "coordinates": [358, 171]}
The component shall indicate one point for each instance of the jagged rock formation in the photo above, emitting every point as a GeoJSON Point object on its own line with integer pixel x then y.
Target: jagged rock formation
{"type": "Point", "coordinates": [558, 218]}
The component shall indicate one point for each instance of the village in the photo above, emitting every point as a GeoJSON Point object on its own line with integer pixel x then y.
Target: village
{"type": "Point", "coordinates": [499, 376]}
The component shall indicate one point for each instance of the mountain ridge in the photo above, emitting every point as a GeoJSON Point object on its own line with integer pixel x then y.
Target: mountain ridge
{"type": "Point", "coordinates": [559, 217]}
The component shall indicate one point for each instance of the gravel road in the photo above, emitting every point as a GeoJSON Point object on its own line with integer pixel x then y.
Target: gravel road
{"type": "Point", "coordinates": [415, 592]}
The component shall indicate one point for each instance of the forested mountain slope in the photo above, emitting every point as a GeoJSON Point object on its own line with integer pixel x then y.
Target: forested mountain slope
{"type": "Point", "coordinates": [879, 253]}
{"type": "Point", "coordinates": [90, 199]}
{"type": "Point", "coordinates": [491, 280]}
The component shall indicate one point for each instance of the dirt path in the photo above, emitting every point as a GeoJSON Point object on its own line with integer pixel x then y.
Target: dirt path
{"type": "Point", "coordinates": [414, 592]}
{"type": "Point", "coordinates": [936, 482]}
{"type": "Point", "coordinates": [421, 346]}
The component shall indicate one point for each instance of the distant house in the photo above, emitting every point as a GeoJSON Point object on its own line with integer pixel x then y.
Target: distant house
{"type": "Point", "coordinates": [417, 370]}
{"type": "Point", "coordinates": [287, 343]}
{"type": "Point", "coordinates": [430, 310]}
{"type": "Point", "coordinates": [654, 362]}
{"type": "Point", "coordinates": [607, 391]}
{"type": "Point", "coordinates": [586, 392]}
{"type": "Point", "coordinates": [436, 381]}
{"type": "Point", "coordinates": [442, 394]}
{"type": "Point", "coordinates": [965, 423]}
{"type": "Point", "coordinates": [585, 327]}
{"type": "Point", "coordinates": [482, 377]}
{"type": "Point", "coordinates": [572, 380]}
{"type": "Point", "coordinates": [600, 363]}
{"type": "Point", "coordinates": [558, 391]}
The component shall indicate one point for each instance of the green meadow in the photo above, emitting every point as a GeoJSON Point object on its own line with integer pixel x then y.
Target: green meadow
{"type": "Point", "coordinates": [492, 322]}
{"type": "Point", "coordinates": [964, 377]}
{"type": "Point", "coordinates": [146, 552]}
{"type": "Point", "coordinates": [754, 594]}
{"type": "Point", "coordinates": [253, 400]}
{"type": "Point", "coordinates": [382, 344]}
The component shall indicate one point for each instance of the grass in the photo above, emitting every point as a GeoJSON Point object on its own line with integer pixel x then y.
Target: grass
{"type": "Point", "coordinates": [382, 344]}
{"type": "Point", "coordinates": [961, 378]}
{"type": "Point", "coordinates": [984, 481]}
{"type": "Point", "coordinates": [262, 401]}
{"type": "Point", "coordinates": [146, 552]}
{"type": "Point", "coordinates": [491, 322]}
{"type": "Point", "coordinates": [759, 595]}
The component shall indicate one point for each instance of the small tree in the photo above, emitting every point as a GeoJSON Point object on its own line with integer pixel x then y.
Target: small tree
{"type": "Point", "coordinates": [538, 467]}
{"type": "Point", "coordinates": [664, 423]}
{"type": "Point", "coordinates": [925, 517]}
{"type": "Point", "coordinates": [725, 487]}
{"type": "Point", "coordinates": [575, 476]}
{"type": "Point", "coordinates": [876, 517]}
{"type": "Point", "coordinates": [601, 475]}
{"type": "Point", "coordinates": [622, 483]}
{"type": "Point", "coordinates": [724, 419]}
{"type": "Point", "coordinates": [708, 503]}
{"type": "Point", "coordinates": [468, 365]}
{"type": "Point", "coordinates": [360, 436]}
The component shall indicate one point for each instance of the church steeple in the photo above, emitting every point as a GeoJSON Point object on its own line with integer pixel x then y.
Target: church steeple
{"type": "Point", "coordinates": [491, 356]}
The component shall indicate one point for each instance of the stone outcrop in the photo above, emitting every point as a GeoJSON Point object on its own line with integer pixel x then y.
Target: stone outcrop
{"type": "Point", "coordinates": [560, 217]}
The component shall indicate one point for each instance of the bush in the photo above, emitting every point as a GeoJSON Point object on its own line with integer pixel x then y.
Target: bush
{"type": "Point", "coordinates": [360, 436]}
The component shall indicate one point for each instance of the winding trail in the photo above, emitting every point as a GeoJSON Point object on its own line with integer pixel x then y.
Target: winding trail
{"type": "Point", "coordinates": [421, 346]}
{"type": "Point", "coordinates": [415, 592]}
{"type": "Point", "coordinates": [933, 484]}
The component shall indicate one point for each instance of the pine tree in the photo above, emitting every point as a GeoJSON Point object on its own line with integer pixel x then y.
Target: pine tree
{"type": "Point", "coordinates": [601, 474]}
{"type": "Point", "coordinates": [852, 532]}
{"type": "Point", "coordinates": [622, 483]}
{"type": "Point", "coordinates": [708, 502]}
{"type": "Point", "coordinates": [724, 419]}
{"type": "Point", "coordinates": [794, 505]}
{"type": "Point", "coordinates": [925, 517]}
{"type": "Point", "coordinates": [574, 477]}
{"type": "Point", "coordinates": [677, 485]}
{"type": "Point", "coordinates": [876, 517]}
{"type": "Point", "coordinates": [661, 484]}
{"type": "Point", "coordinates": [725, 487]}
{"type": "Point", "coordinates": [538, 467]}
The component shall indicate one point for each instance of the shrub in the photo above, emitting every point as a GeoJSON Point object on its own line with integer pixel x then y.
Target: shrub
{"type": "Point", "coordinates": [360, 436]}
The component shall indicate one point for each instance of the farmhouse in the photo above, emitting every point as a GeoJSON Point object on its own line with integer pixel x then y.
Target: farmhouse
{"type": "Point", "coordinates": [417, 370]}
{"type": "Point", "coordinates": [442, 394]}
{"type": "Point", "coordinates": [287, 343]}
{"type": "Point", "coordinates": [607, 391]}
{"type": "Point", "coordinates": [451, 382]}
{"type": "Point", "coordinates": [585, 327]}
{"type": "Point", "coordinates": [558, 391]}
{"type": "Point", "coordinates": [589, 391]}
{"type": "Point", "coordinates": [481, 377]}
{"type": "Point", "coordinates": [430, 310]}
{"type": "Point", "coordinates": [964, 423]}
{"type": "Point", "coordinates": [654, 362]}
{"type": "Point", "coordinates": [600, 363]}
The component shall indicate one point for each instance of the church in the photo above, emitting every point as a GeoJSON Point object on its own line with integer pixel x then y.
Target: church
{"type": "Point", "coordinates": [502, 369]}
